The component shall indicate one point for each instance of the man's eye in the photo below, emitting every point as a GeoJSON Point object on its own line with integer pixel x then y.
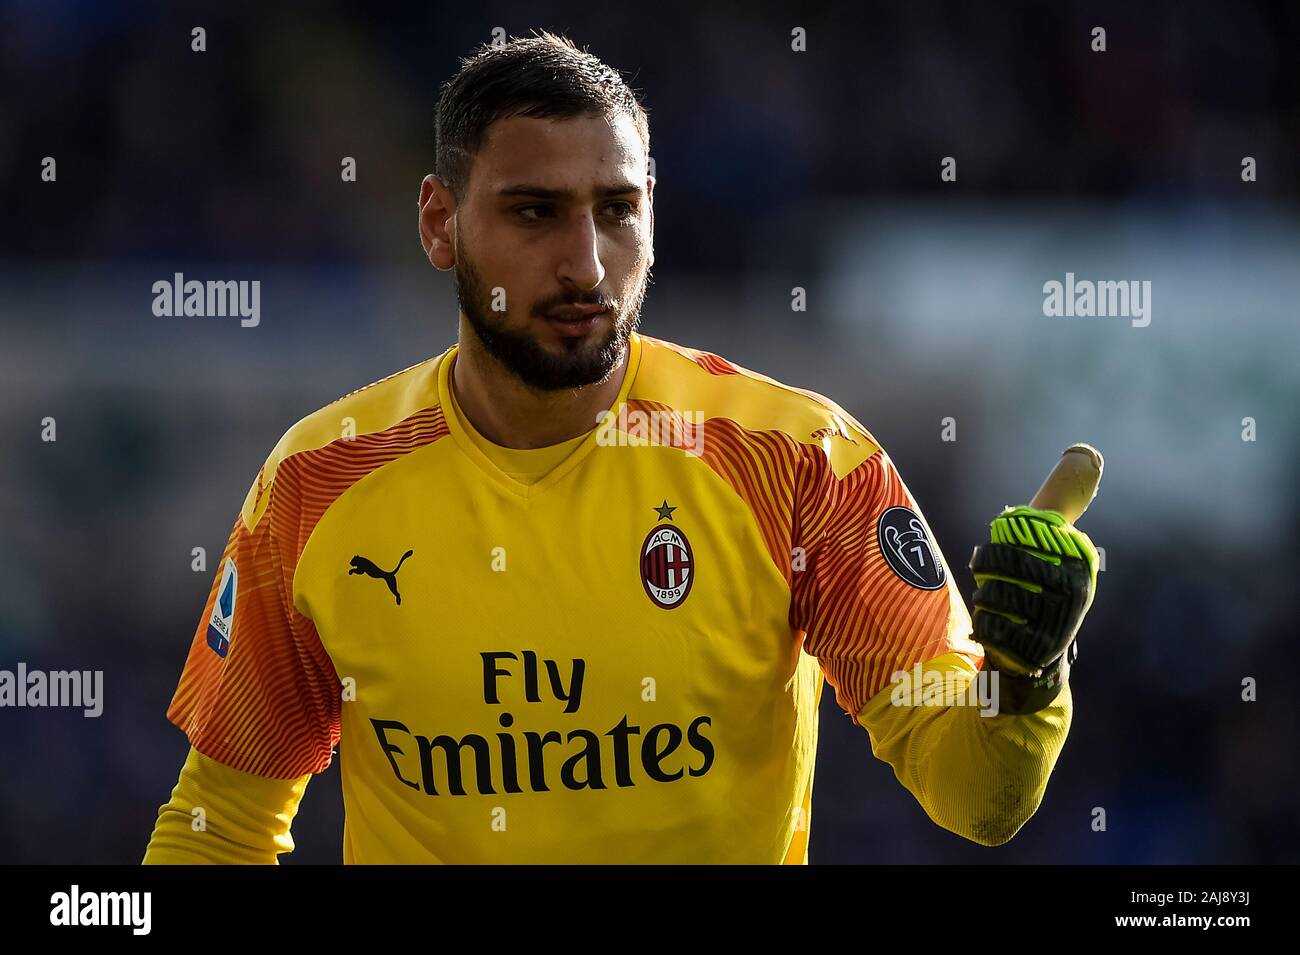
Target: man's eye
{"type": "Point", "coordinates": [620, 211]}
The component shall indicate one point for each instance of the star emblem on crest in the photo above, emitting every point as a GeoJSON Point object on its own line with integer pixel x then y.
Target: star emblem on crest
{"type": "Point", "coordinates": [664, 511]}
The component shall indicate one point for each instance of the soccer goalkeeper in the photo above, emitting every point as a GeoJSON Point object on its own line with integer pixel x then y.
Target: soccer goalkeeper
{"type": "Point", "coordinates": [569, 593]}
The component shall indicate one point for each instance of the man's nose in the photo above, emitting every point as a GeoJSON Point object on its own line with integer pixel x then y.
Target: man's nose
{"type": "Point", "coordinates": [580, 263]}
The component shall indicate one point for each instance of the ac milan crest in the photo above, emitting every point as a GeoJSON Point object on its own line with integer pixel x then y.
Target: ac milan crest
{"type": "Point", "coordinates": [667, 566]}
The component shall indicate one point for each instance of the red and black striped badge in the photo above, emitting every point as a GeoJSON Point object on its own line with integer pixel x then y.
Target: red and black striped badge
{"type": "Point", "coordinates": [667, 566]}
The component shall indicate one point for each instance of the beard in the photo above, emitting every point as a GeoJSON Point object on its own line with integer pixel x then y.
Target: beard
{"type": "Point", "coordinates": [579, 362]}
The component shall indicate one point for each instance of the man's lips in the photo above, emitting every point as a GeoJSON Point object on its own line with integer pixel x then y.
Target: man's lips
{"type": "Point", "coordinates": [575, 320]}
{"type": "Point", "coordinates": [572, 313]}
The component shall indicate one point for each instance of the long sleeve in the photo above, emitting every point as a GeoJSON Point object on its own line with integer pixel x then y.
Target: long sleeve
{"type": "Point", "coordinates": [258, 697]}
{"type": "Point", "coordinates": [877, 598]}
{"type": "Point", "coordinates": [981, 777]}
{"type": "Point", "coordinates": [246, 819]}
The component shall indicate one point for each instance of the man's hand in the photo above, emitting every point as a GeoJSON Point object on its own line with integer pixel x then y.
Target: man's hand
{"type": "Point", "coordinates": [1036, 577]}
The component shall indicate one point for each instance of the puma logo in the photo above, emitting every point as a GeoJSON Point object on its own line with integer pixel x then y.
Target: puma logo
{"type": "Point", "coordinates": [832, 432]}
{"type": "Point", "coordinates": [363, 565]}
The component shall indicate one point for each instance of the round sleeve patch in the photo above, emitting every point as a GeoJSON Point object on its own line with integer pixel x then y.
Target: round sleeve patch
{"type": "Point", "coordinates": [907, 549]}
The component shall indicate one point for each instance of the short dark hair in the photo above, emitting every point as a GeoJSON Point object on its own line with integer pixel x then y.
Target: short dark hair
{"type": "Point", "coordinates": [542, 76]}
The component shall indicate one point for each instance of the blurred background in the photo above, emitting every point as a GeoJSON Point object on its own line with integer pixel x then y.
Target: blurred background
{"type": "Point", "coordinates": [776, 169]}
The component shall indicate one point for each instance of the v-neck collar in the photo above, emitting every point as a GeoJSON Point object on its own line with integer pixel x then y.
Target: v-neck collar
{"type": "Point", "coordinates": [486, 465]}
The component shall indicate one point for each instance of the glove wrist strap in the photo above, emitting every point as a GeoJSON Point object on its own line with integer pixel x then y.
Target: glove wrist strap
{"type": "Point", "coordinates": [1019, 694]}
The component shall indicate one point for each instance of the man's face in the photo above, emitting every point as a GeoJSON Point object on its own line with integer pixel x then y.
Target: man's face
{"type": "Point", "coordinates": [553, 246]}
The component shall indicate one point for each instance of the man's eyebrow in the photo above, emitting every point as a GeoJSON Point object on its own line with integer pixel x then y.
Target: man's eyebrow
{"type": "Point", "coordinates": [541, 192]}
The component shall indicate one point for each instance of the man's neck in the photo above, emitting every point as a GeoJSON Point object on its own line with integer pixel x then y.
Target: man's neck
{"type": "Point", "coordinates": [514, 415]}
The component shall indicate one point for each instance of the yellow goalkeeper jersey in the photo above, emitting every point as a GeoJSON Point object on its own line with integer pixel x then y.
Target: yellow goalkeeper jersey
{"type": "Point", "coordinates": [618, 660]}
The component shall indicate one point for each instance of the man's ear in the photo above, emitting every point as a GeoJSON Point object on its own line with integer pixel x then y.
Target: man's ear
{"type": "Point", "coordinates": [437, 207]}
{"type": "Point", "coordinates": [649, 201]}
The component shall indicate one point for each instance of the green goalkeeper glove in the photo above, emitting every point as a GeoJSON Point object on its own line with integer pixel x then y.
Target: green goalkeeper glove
{"type": "Point", "coordinates": [1036, 577]}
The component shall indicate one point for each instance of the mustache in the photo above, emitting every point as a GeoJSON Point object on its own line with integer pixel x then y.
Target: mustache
{"type": "Point", "coordinates": [542, 306]}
